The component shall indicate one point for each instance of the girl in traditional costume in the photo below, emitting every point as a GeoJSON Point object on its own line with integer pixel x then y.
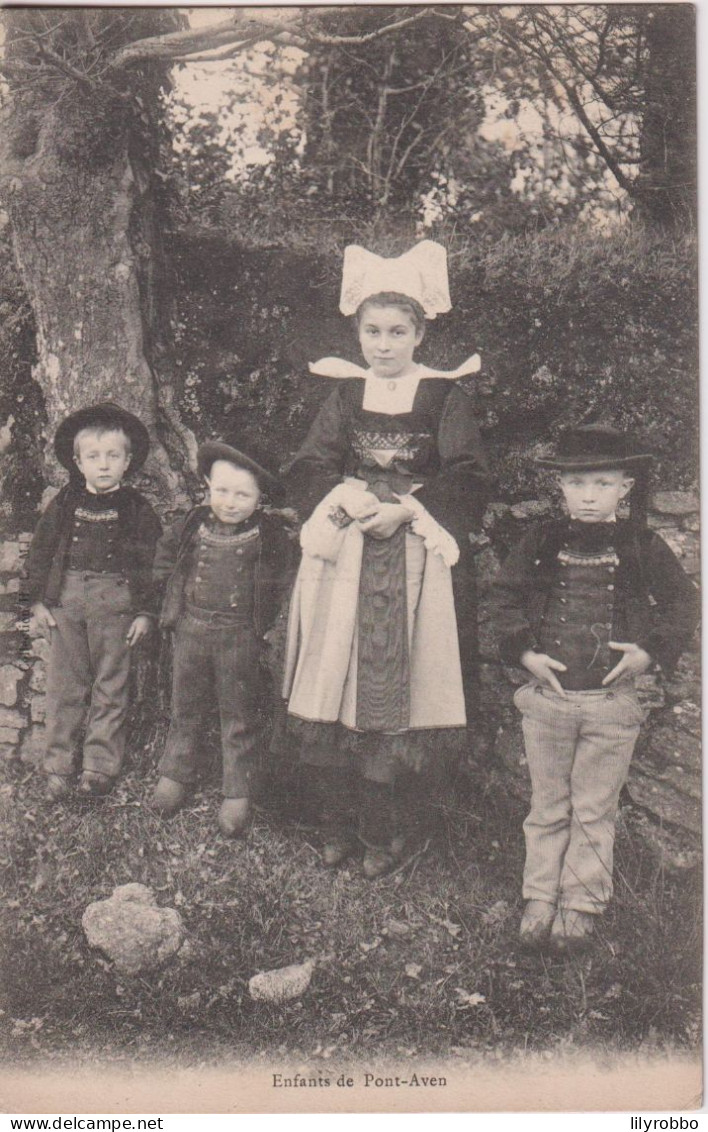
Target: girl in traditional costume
{"type": "Point", "coordinates": [392, 478]}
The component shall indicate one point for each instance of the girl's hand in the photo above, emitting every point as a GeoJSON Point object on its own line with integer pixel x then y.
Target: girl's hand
{"type": "Point", "coordinates": [634, 662]}
{"type": "Point", "coordinates": [544, 668]}
{"type": "Point", "coordinates": [388, 518]}
{"type": "Point", "coordinates": [361, 506]}
{"type": "Point", "coordinates": [45, 621]}
{"type": "Point", "coordinates": [139, 628]}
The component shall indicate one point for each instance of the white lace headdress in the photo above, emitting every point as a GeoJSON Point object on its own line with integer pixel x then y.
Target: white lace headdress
{"type": "Point", "coordinates": [421, 274]}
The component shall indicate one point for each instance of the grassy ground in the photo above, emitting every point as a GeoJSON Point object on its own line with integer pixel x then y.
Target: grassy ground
{"type": "Point", "coordinates": [424, 961]}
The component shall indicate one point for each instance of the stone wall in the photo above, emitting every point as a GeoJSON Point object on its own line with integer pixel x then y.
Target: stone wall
{"type": "Point", "coordinates": [665, 778]}
{"type": "Point", "coordinates": [22, 663]}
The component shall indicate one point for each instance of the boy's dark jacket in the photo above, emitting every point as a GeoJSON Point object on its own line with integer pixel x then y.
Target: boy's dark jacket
{"type": "Point", "coordinates": [274, 571]}
{"type": "Point", "coordinates": [657, 605]}
{"type": "Point", "coordinates": [138, 527]}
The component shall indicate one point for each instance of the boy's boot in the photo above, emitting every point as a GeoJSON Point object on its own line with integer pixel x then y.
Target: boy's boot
{"type": "Point", "coordinates": [572, 930]}
{"type": "Point", "coordinates": [57, 787]}
{"type": "Point", "coordinates": [234, 816]}
{"type": "Point", "coordinates": [168, 796]}
{"type": "Point", "coordinates": [536, 923]}
{"type": "Point", "coordinates": [93, 784]}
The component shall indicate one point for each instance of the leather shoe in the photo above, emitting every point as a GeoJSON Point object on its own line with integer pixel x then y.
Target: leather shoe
{"type": "Point", "coordinates": [93, 784]}
{"type": "Point", "coordinates": [377, 863]}
{"type": "Point", "coordinates": [335, 851]}
{"type": "Point", "coordinates": [58, 786]}
{"type": "Point", "coordinates": [572, 930]}
{"type": "Point", "coordinates": [168, 797]}
{"type": "Point", "coordinates": [234, 816]}
{"type": "Point", "coordinates": [536, 923]}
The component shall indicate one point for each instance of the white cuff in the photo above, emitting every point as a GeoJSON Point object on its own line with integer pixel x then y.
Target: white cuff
{"type": "Point", "coordinates": [324, 532]}
{"type": "Point", "coordinates": [436, 538]}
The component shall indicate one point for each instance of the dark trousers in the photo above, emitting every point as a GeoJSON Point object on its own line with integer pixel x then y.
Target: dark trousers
{"type": "Point", "coordinates": [352, 796]}
{"type": "Point", "coordinates": [87, 674]}
{"type": "Point", "coordinates": [214, 658]}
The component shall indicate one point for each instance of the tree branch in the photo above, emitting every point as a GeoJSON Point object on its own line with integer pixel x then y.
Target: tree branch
{"type": "Point", "coordinates": [368, 37]}
{"type": "Point", "coordinates": [253, 23]}
{"type": "Point", "coordinates": [243, 24]}
{"type": "Point", "coordinates": [575, 101]}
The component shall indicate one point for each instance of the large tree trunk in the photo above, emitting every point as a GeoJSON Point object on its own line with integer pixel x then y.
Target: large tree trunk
{"type": "Point", "coordinates": [666, 188]}
{"type": "Point", "coordinates": [82, 218]}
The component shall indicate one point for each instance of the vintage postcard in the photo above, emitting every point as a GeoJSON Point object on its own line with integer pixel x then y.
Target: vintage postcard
{"type": "Point", "coordinates": [349, 577]}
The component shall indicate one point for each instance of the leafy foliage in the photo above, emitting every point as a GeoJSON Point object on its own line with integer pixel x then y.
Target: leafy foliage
{"type": "Point", "coordinates": [384, 118]}
{"type": "Point", "coordinates": [571, 326]}
{"type": "Point", "coordinates": [496, 119]}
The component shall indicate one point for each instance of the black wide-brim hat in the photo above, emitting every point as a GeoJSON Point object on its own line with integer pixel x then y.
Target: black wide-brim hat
{"type": "Point", "coordinates": [106, 414]}
{"type": "Point", "coordinates": [213, 450]}
{"type": "Point", "coordinates": [595, 446]}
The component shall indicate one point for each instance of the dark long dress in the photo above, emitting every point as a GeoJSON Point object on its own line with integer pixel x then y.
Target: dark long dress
{"type": "Point", "coordinates": [438, 446]}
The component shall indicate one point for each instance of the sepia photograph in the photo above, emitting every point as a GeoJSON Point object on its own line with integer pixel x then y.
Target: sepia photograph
{"type": "Point", "coordinates": [350, 733]}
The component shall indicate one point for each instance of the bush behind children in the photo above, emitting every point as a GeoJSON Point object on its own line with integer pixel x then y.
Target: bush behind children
{"type": "Point", "coordinates": [381, 637]}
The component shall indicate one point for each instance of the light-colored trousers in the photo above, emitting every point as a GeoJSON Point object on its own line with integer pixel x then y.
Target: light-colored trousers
{"type": "Point", "coordinates": [87, 674]}
{"type": "Point", "coordinates": [578, 751]}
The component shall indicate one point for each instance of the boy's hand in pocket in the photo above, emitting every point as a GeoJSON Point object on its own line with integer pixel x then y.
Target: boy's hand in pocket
{"type": "Point", "coordinates": [634, 661]}
{"type": "Point", "coordinates": [139, 628]}
{"type": "Point", "coordinates": [544, 668]}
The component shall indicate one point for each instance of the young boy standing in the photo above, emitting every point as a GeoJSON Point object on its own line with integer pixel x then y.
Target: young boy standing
{"type": "Point", "coordinates": [585, 605]}
{"type": "Point", "coordinates": [227, 568]}
{"type": "Point", "coordinates": [90, 588]}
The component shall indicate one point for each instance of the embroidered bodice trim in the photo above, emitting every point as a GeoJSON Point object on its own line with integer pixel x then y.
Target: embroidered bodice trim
{"type": "Point", "coordinates": [86, 516]}
{"type": "Point", "coordinates": [219, 538]}
{"type": "Point", "coordinates": [578, 558]}
{"type": "Point", "coordinates": [383, 448]}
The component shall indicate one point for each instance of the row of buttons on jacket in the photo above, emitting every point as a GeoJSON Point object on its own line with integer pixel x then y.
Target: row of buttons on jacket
{"type": "Point", "coordinates": [204, 549]}
{"type": "Point", "coordinates": [110, 540]}
{"type": "Point", "coordinates": [564, 585]}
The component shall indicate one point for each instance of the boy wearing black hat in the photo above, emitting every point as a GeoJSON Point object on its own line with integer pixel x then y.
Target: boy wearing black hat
{"type": "Point", "coordinates": [585, 604]}
{"type": "Point", "coordinates": [90, 587]}
{"type": "Point", "coordinates": [227, 568]}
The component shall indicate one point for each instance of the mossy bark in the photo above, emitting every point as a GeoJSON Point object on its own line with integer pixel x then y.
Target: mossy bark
{"type": "Point", "coordinates": [79, 192]}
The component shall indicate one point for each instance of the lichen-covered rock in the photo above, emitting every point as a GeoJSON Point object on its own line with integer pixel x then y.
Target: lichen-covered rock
{"type": "Point", "coordinates": [494, 511]}
{"type": "Point", "coordinates": [38, 678]}
{"type": "Point", "coordinates": [675, 502]}
{"type": "Point", "coordinates": [132, 930]}
{"type": "Point", "coordinates": [667, 803]}
{"type": "Point", "coordinates": [11, 554]}
{"type": "Point", "coordinates": [281, 984]}
{"type": "Point", "coordinates": [38, 708]}
{"type": "Point", "coordinates": [40, 648]}
{"type": "Point", "coordinates": [11, 718]}
{"type": "Point", "coordinates": [9, 679]}
{"type": "Point", "coordinates": [486, 568]}
{"type": "Point", "coordinates": [667, 745]}
{"type": "Point", "coordinates": [532, 509]}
